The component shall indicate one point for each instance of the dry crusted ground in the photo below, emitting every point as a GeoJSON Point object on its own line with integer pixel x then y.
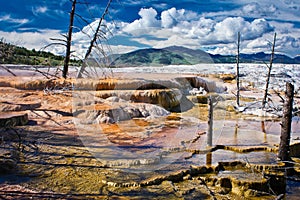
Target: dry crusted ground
{"type": "Point", "coordinates": [46, 159]}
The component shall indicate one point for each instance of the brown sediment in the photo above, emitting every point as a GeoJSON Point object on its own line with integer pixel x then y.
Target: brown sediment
{"type": "Point", "coordinates": [226, 178]}
{"type": "Point", "coordinates": [226, 77]}
{"type": "Point", "coordinates": [51, 156]}
{"type": "Point", "coordinates": [238, 149]}
{"type": "Point", "coordinates": [241, 149]}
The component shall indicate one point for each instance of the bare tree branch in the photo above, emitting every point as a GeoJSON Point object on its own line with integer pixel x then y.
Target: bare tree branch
{"type": "Point", "coordinates": [269, 73]}
{"type": "Point", "coordinates": [8, 70]}
{"type": "Point", "coordinates": [57, 39]}
{"type": "Point", "coordinates": [69, 40]}
{"type": "Point", "coordinates": [279, 95]}
{"type": "Point", "coordinates": [86, 21]}
{"type": "Point", "coordinates": [56, 43]}
{"type": "Point", "coordinates": [266, 64]}
{"type": "Point", "coordinates": [93, 41]}
{"type": "Point", "coordinates": [238, 71]}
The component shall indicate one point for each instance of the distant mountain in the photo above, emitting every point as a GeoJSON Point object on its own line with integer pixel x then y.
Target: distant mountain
{"type": "Point", "coordinates": [176, 55]}
{"type": "Point", "coordinates": [191, 55]}
{"type": "Point", "coordinates": [297, 59]}
{"type": "Point", "coordinates": [147, 57]}
{"type": "Point", "coordinates": [263, 57]}
{"type": "Point", "coordinates": [173, 55]}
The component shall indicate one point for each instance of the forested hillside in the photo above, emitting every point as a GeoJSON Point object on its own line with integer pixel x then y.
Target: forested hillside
{"type": "Point", "coordinates": [12, 54]}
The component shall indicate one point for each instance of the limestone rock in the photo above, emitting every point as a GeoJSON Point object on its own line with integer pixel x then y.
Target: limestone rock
{"type": "Point", "coordinates": [104, 120]}
{"type": "Point", "coordinates": [13, 106]}
{"type": "Point", "coordinates": [124, 84]}
{"type": "Point", "coordinates": [166, 98]}
{"type": "Point", "coordinates": [208, 85]}
{"type": "Point", "coordinates": [119, 111]}
{"type": "Point", "coordinates": [227, 77]}
{"type": "Point", "coordinates": [151, 111]}
{"type": "Point", "coordinates": [114, 99]}
{"type": "Point", "coordinates": [169, 99]}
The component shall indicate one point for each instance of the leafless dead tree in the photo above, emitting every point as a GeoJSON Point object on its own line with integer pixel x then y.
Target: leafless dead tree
{"type": "Point", "coordinates": [269, 73]}
{"type": "Point", "coordinates": [238, 71]}
{"type": "Point", "coordinates": [93, 43]}
{"type": "Point", "coordinates": [286, 124]}
{"type": "Point", "coordinates": [69, 40]}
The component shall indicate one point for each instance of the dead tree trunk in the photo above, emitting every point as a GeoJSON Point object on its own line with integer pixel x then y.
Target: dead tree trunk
{"type": "Point", "coordinates": [238, 71]}
{"type": "Point", "coordinates": [93, 41]}
{"type": "Point", "coordinates": [269, 73]}
{"type": "Point", "coordinates": [209, 159]}
{"type": "Point", "coordinates": [210, 121]}
{"type": "Point", "coordinates": [286, 123]}
{"type": "Point", "coordinates": [69, 41]}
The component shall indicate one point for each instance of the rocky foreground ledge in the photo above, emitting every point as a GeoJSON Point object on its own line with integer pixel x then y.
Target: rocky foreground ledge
{"type": "Point", "coordinates": [43, 154]}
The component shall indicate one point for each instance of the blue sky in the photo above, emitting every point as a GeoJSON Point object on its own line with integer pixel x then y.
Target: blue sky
{"type": "Point", "coordinates": [211, 25]}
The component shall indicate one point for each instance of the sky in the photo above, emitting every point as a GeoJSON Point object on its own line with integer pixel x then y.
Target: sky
{"type": "Point", "coordinates": [209, 25]}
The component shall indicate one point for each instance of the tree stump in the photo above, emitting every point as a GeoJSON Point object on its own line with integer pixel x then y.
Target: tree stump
{"type": "Point", "coordinates": [286, 123]}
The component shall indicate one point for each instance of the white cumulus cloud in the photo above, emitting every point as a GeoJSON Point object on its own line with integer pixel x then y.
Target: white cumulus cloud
{"type": "Point", "coordinates": [186, 28]}
{"type": "Point", "coordinates": [32, 40]}
{"type": "Point", "coordinates": [226, 31]}
{"type": "Point", "coordinates": [214, 31]}
{"type": "Point", "coordinates": [172, 17]}
{"type": "Point", "coordinates": [147, 20]}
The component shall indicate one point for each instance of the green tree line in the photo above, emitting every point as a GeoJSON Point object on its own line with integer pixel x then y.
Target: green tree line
{"type": "Point", "coordinates": [12, 54]}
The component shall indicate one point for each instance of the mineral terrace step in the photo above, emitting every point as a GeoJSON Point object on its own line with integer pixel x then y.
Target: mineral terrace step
{"type": "Point", "coordinates": [11, 119]}
{"type": "Point", "coordinates": [16, 106]}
